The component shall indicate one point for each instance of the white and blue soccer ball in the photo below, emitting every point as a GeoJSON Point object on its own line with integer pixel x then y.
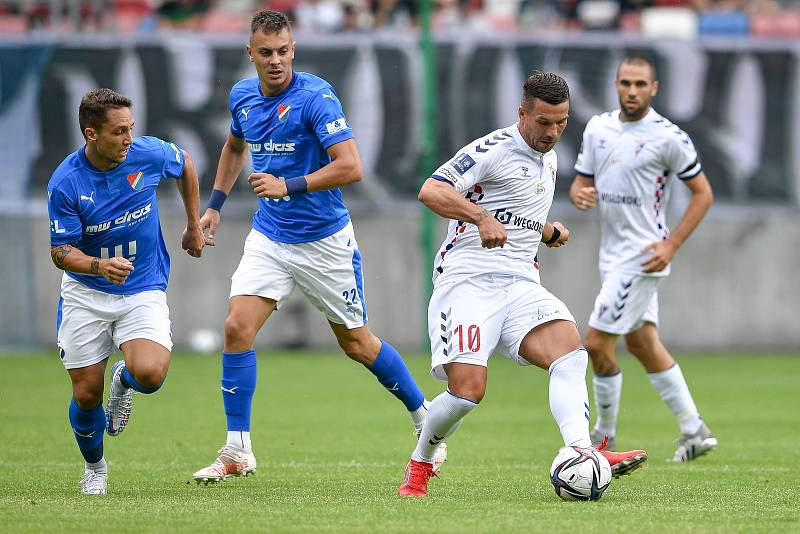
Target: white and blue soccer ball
{"type": "Point", "coordinates": [205, 340]}
{"type": "Point", "coordinates": [580, 474]}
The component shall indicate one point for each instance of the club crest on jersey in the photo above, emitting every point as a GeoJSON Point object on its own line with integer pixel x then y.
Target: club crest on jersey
{"type": "Point", "coordinates": [637, 147]}
{"type": "Point", "coordinates": [283, 112]}
{"type": "Point", "coordinates": [136, 180]}
{"type": "Point", "coordinates": [539, 189]}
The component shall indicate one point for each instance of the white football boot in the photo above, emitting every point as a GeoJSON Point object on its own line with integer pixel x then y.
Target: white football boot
{"type": "Point", "coordinates": [231, 462]}
{"type": "Point", "coordinates": [120, 402]}
{"type": "Point", "coordinates": [93, 482]}
{"type": "Point", "coordinates": [690, 446]}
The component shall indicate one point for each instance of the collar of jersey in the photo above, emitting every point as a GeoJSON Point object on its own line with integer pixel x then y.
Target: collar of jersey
{"type": "Point", "coordinates": [282, 93]}
{"type": "Point", "coordinates": [521, 142]}
{"type": "Point", "coordinates": [88, 164]}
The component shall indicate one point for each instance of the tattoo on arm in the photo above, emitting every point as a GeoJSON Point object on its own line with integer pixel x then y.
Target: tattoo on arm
{"type": "Point", "coordinates": [95, 267]}
{"type": "Point", "coordinates": [59, 254]}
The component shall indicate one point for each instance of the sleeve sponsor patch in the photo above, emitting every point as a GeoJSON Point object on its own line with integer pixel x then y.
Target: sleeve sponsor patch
{"type": "Point", "coordinates": [463, 163]}
{"type": "Point", "coordinates": [445, 175]}
{"type": "Point", "coordinates": [336, 126]}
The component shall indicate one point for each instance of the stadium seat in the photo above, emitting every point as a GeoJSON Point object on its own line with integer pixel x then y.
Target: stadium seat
{"type": "Point", "coordinates": [218, 21]}
{"type": "Point", "coordinates": [670, 22]}
{"type": "Point", "coordinates": [13, 24]}
{"type": "Point", "coordinates": [723, 23]}
{"type": "Point", "coordinates": [130, 14]}
{"type": "Point", "coordinates": [782, 24]}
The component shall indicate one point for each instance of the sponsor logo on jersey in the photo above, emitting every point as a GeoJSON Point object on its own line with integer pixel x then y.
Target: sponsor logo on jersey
{"type": "Point", "coordinates": [525, 171]}
{"type": "Point", "coordinates": [601, 310]}
{"type": "Point", "coordinates": [463, 163]}
{"type": "Point", "coordinates": [136, 180]}
{"type": "Point", "coordinates": [55, 228]}
{"type": "Point", "coordinates": [637, 147]}
{"type": "Point", "coordinates": [90, 197]}
{"type": "Point", "coordinates": [507, 217]}
{"type": "Point", "coordinates": [283, 112]}
{"type": "Point", "coordinates": [128, 217]}
{"type": "Point", "coordinates": [245, 112]}
{"type": "Point", "coordinates": [617, 198]}
{"type": "Point", "coordinates": [601, 144]}
{"type": "Point", "coordinates": [336, 126]}
{"type": "Point", "coordinates": [272, 147]}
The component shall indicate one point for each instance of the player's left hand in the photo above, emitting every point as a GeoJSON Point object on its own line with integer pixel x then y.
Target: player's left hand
{"type": "Point", "coordinates": [266, 185]}
{"type": "Point", "coordinates": [663, 251]}
{"type": "Point", "coordinates": [562, 239]}
{"type": "Point", "coordinates": [193, 241]}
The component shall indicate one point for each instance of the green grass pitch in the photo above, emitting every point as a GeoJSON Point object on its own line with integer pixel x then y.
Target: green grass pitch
{"type": "Point", "coordinates": [331, 446]}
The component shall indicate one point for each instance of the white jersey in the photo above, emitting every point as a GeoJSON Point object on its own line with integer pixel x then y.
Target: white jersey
{"type": "Point", "coordinates": [632, 164]}
{"type": "Point", "coordinates": [501, 173]}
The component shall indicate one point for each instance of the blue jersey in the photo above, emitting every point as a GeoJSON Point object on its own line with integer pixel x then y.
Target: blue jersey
{"type": "Point", "coordinates": [288, 135]}
{"type": "Point", "coordinates": [115, 213]}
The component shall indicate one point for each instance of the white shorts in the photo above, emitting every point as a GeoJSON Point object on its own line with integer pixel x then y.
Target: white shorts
{"type": "Point", "coordinates": [92, 324]}
{"type": "Point", "coordinates": [328, 272]}
{"type": "Point", "coordinates": [626, 301]}
{"type": "Point", "coordinates": [471, 319]}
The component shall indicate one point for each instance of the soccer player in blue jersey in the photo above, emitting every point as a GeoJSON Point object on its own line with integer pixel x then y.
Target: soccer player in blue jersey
{"type": "Point", "coordinates": [302, 151]}
{"type": "Point", "coordinates": [105, 234]}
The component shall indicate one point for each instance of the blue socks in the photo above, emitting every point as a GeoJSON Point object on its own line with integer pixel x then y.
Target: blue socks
{"type": "Point", "coordinates": [88, 427]}
{"type": "Point", "coordinates": [129, 381]}
{"type": "Point", "coordinates": [239, 376]}
{"type": "Point", "coordinates": [393, 374]}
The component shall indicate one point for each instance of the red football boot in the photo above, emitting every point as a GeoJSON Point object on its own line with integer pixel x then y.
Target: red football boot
{"type": "Point", "coordinates": [415, 483]}
{"type": "Point", "coordinates": [622, 463]}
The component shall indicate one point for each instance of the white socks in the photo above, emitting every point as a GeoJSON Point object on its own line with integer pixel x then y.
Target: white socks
{"type": "Point", "coordinates": [444, 417]}
{"type": "Point", "coordinates": [98, 467]}
{"type": "Point", "coordinates": [607, 392]}
{"type": "Point", "coordinates": [418, 416]}
{"type": "Point", "coordinates": [673, 390]}
{"type": "Point", "coordinates": [239, 439]}
{"type": "Point", "coordinates": [569, 399]}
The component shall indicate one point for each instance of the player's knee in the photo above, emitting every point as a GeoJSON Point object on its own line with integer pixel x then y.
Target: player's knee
{"type": "Point", "coordinates": [357, 351]}
{"type": "Point", "coordinates": [151, 375]}
{"type": "Point", "coordinates": [636, 347]}
{"type": "Point", "coordinates": [472, 391]}
{"type": "Point", "coordinates": [238, 332]}
{"type": "Point", "coordinates": [87, 397]}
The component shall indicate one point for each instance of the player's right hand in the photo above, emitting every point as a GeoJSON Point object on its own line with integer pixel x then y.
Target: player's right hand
{"type": "Point", "coordinates": [209, 221]}
{"type": "Point", "coordinates": [493, 233]}
{"type": "Point", "coordinates": [116, 270]}
{"type": "Point", "coordinates": [585, 198]}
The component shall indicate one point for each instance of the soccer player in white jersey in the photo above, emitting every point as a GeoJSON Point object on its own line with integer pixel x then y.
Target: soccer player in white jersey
{"type": "Point", "coordinates": [105, 234]}
{"type": "Point", "coordinates": [627, 162]}
{"type": "Point", "coordinates": [303, 150]}
{"type": "Point", "coordinates": [487, 298]}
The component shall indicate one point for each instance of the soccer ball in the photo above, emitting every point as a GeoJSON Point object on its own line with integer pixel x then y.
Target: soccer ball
{"type": "Point", "coordinates": [580, 474]}
{"type": "Point", "coordinates": [204, 340]}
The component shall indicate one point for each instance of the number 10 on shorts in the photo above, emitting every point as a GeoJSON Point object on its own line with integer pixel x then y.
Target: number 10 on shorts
{"type": "Point", "coordinates": [472, 337]}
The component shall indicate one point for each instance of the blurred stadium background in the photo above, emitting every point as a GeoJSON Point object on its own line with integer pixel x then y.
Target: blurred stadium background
{"type": "Point", "coordinates": [729, 74]}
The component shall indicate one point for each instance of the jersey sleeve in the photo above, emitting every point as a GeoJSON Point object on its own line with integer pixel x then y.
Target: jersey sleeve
{"type": "Point", "coordinates": [327, 119]}
{"type": "Point", "coordinates": [236, 127]}
{"type": "Point", "coordinates": [584, 164]}
{"type": "Point", "coordinates": [65, 223]}
{"type": "Point", "coordinates": [174, 160]}
{"type": "Point", "coordinates": [681, 156]}
{"type": "Point", "coordinates": [465, 169]}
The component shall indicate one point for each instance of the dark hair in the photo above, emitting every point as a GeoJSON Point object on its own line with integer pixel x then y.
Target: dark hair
{"type": "Point", "coordinates": [269, 22]}
{"type": "Point", "coordinates": [639, 61]}
{"type": "Point", "coordinates": [95, 105]}
{"type": "Point", "coordinates": [546, 86]}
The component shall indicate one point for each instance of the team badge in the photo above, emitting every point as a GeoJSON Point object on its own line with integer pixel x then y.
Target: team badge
{"type": "Point", "coordinates": [283, 112]}
{"type": "Point", "coordinates": [539, 188]}
{"type": "Point", "coordinates": [136, 180]}
{"type": "Point", "coordinates": [637, 147]}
